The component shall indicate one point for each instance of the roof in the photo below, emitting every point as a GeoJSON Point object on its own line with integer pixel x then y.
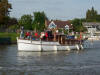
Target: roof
{"type": "Point", "coordinates": [59, 23]}
{"type": "Point", "coordinates": [91, 23]}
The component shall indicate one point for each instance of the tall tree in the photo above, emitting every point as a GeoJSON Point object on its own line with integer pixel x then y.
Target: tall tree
{"type": "Point", "coordinates": [5, 7]}
{"type": "Point", "coordinates": [91, 15]}
{"type": "Point", "coordinates": [88, 14]}
{"type": "Point", "coordinates": [26, 21]}
{"type": "Point", "coordinates": [39, 21]}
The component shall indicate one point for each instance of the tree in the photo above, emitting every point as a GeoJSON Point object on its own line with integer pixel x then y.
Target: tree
{"type": "Point", "coordinates": [11, 21]}
{"type": "Point", "coordinates": [77, 25]}
{"type": "Point", "coordinates": [4, 10]}
{"type": "Point", "coordinates": [91, 15]}
{"type": "Point", "coordinates": [39, 21]}
{"type": "Point", "coordinates": [98, 18]}
{"type": "Point", "coordinates": [88, 15]}
{"type": "Point", "coordinates": [26, 21]}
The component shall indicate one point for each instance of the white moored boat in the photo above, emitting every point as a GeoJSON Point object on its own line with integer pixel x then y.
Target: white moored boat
{"type": "Point", "coordinates": [34, 45]}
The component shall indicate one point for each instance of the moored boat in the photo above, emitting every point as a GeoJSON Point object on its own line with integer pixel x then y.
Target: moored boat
{"type": "Point", "coordinates": [61, 44]}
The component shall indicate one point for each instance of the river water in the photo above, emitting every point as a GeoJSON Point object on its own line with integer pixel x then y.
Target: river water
{"type": "Point", "coordinates": [84, 62]}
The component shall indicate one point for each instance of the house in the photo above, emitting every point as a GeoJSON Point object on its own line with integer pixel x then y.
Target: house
{"type": "Point", "coordinates": [58, 24]}
{"type": "Point", "coordinates": [92, 27]}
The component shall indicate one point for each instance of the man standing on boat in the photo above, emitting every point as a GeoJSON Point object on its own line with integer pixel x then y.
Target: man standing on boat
{"type": "Point", "coordinates": [46, 35]}
{"type": "Point", "coordinates": [22, 33]}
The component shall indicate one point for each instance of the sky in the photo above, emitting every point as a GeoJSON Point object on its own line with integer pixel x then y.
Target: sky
{"type": "Point", "coordinates": [54, 9]}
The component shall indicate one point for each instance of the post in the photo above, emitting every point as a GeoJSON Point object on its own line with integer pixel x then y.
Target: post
{"type": "Point", "coordinates": [41, 44]}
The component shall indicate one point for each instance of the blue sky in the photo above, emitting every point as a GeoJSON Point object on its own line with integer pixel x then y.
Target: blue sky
{"type": "Point", "coordinates": [54, 9]}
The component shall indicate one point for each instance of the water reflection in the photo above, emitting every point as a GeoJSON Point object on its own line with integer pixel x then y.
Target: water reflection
{"type": "Point", "coordinates": [27, 54]}
{"type": "Point", "coordinates": [38, 54]}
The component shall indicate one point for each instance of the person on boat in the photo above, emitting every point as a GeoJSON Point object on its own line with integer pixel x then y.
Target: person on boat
{"type": "Point", "coordinates": [27, 35]}
{"type": "Point", "coordinates": [54, 36]}
{"type": "Point", "coordinates": [50, 36]}
{"type": "Point", "coordinates": [31, 35]}
{"type": "Point", "coordinates": [22, 33]}
{"type": "Point", "coordinates": [36, 35]}
{"type": "Point", "coordinates": [80, 36]}
{"type": "Point", "coordinates": [46, 35]}
{"type": "Point", "coordinates": [42, 35]}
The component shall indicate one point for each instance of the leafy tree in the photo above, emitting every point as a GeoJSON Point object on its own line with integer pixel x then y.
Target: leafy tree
{"type": "Point", "coordinates": [98, 18]}
{"type": "Point", "coordinates": [39, 21]}
{"type": "Point", "coordinates": [26, 21]}
{"type": "Point", "coordinates": [11, 22]}
{"type": "Point", "coordinates": [88, 15]}
{"type": "Point", "coordinates": [4, 10]}
{"type": "Point", "coordinates": [77, 25]}
{"type": "Point", "coordinates": [91, 15]}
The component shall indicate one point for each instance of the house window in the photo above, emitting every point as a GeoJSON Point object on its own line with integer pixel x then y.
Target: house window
{"type": "Point", "coordinates": [52, 25]}
{"type": "Point", "coordinates": [67, 27]}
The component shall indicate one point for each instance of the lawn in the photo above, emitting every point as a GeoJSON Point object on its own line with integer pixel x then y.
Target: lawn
{"type": "Point", "coordinates": [11, 35]}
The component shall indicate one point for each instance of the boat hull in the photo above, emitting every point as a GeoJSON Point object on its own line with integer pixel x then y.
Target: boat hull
{"type": "Point", "coordinates": [29, 45]}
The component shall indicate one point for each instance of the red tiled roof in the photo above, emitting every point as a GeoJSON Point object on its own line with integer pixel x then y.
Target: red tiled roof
{"type": "Point", "coordinates": [60, 24]}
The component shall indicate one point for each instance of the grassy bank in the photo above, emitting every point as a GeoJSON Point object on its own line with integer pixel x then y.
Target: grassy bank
{"type": "Point", "coordinates": [11, 35]}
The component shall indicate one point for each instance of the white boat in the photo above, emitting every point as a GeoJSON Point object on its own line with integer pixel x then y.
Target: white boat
{"type": "Point", "coordinates": [92, 41]}
{"type": "Point", "coordinates": [94, 38]}
{"type": "Point", "coordinates": [91, 44]}
{"type": "Point", "coordinates": [38, 45]}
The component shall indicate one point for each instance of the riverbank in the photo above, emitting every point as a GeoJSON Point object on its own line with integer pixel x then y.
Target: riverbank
{"type": "Point", "coordinates": [10, 37]}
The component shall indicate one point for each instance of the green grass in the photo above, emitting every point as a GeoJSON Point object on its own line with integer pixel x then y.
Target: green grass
{"type": "Point", "coordinates": [11, 35]}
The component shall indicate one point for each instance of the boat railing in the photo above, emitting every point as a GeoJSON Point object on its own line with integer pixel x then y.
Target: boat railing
{"type": "Point", "coordinates": [73, 41]}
